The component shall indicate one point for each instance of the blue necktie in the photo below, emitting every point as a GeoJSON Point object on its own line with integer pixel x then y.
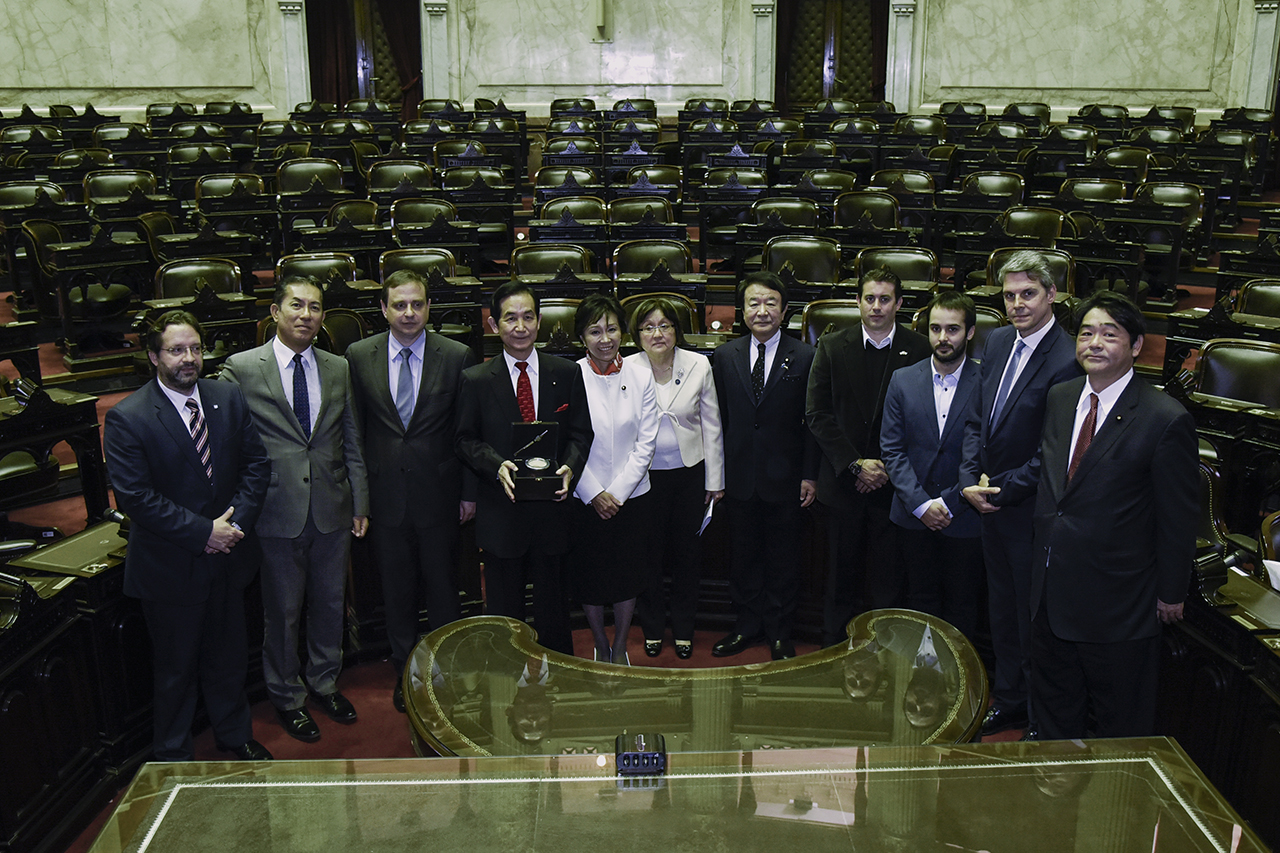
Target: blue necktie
{"type": "Point", "coordinates": [404, 389]}
{"type": "Point", "coordinates": [1007, 382]}
{"type": "Point", "coordinates": [301, 402]}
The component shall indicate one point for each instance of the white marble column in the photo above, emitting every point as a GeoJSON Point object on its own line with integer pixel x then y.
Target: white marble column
{"type": "Point", "coordinates": [435, 49]}
{"type": "Point", "coordinates": [297, 66]}
{"type": "Point", "coordinates": [897, 87]}
{"type": "Point", "coordinates": [1262, 65]}
{"type": "Point", "coordinates": [766, 49]}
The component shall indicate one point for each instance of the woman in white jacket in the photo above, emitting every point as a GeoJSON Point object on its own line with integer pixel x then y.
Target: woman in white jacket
{"type": "Point", "coordinates": [687, 472]}
{"type": "Point", "coordinates": [608, 567]}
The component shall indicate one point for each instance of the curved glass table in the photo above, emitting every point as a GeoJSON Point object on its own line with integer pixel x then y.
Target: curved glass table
{"type": "Point", "coordinates": [483, 686]}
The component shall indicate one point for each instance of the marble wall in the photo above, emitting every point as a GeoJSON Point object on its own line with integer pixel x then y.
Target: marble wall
{"type": "Point", "coordinates": [124, 54]}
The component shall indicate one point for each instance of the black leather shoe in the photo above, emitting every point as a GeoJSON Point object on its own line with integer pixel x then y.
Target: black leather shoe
{"type": "Point", "coordinates": [397, 697]}
{"type": "Point", "coordinates": [1003, 719]}
{"type": "Point", "coordinates": [1030, 735]}
{"type": "Point", "coordinates": [684, 649]}
{"type": "Point", "coordinates": [782, 650]}
{"type": "Point", "coordinates": [652, 648]}
{"type": "Point", "coordinates": [298, 724]}
{"type": "Point", "coordinates": [335, 706]}
{"type": "Point", "coordinates": [250, 750]}
{"type": "Point", "coordinates": [732, 645]}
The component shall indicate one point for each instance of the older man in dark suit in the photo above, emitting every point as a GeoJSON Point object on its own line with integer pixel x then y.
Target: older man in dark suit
{"type": "Point", "coordinates": [1115, 531]}
{"type": "Point", "coordinates": [921, 439]}
{"type": "Point", "coordinates": [1001, 468]}
{"type": "Point", "coordinates": [302, 405]}
{"type": "Point", "coordinates": [406, 383]}
{"type": "Point", "coordinates": [770, 464]}
{"type": "Point", "coordinates": [844, 409]}
{"type": "Point", "coordinates": [190, 471]}
{"type": "Point", "coordinates": [525, 540]}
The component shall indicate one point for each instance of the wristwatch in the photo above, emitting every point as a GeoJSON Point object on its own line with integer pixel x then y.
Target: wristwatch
{"type": "Point", "coordinates": [855, 467]}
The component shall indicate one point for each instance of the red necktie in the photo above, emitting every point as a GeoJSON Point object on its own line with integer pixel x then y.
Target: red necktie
{"type": "Point", "coordinates": [1085, 437]}
{"type": "Point", "coordinates": [524, 393]}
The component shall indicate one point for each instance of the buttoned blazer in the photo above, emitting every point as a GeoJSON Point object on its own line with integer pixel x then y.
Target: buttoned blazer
{"type": "Point", "coordinates": [768, 449]}
{"type": "Point", "coordinates": [842, 407]}
{"type": "Point", "coordinates": [1008, 451]}
{"type": "Point", "coordinates": [1122, 532]}
{"type": "Point", "coordinates": [323, 474]}
{"type": "Point", "coordinates": [487, 409]}
{"type": "Point", "coordinates": [922, 463]}
{"type": "Point", "coordinates": [160, 483]}
{"type": "Point", "coordinates": [412, 469]}
{"type": "Point", "coordinates": [624, 423]}
{"type": "Point", "coordinates": [694, 413]}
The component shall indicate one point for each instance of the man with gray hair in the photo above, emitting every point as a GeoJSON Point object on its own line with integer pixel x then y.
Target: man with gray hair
{"type": "Point", "coordinates": [1000, 468]}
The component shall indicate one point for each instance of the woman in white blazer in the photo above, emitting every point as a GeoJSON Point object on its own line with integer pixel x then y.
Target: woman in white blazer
{"type": "Point", "coordinates": [687, 473]}
{"type": "Point", "coordinates": [608, 567]}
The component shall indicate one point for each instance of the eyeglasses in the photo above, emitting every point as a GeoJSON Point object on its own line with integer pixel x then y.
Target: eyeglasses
{"type": "Point", "coordinates": [179, 352]}
{"type": "Point", "coordinates": [660, 329]}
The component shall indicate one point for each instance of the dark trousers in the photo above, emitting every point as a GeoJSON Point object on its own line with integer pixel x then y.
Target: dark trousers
{"type": "Point", "coordinates": [505, 579]}
{"type": "Point", "coordinates": [677, 502]}
{"type": "Point", "coordinates": [310, 567]}
{"type": "Point", "coordinates": [765, 579]}
{"type": "Point", "coordinates": [863, 570]}
{"type": "Point", "coordinates": [1116, 681]}
{"type": "Point", "coordinates": [416, 564]}
{"type": "Point", "coordinates": [1006, 551]}
{"type": "Point", "coordinates": [944, 576]}
{"type": "Point", "coordinates": [199, 648]}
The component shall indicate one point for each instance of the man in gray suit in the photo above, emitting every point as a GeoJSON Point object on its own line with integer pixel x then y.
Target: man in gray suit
{"type": "Point", "coordinates": [301, 402]}
{"type": "Point", "coordinates": [406, 385]}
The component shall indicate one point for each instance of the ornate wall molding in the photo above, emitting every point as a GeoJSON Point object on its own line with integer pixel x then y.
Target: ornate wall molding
{"type": "Point", "coordinates": [435, 8]}
{"type": "Point", "coordinates": [762, 7]}
{"type": "Point", "coordinates": [291, 7]}
{"type": "Point", "coordinates": [297, 66]}
{"type": "Point", "coordinates": [908, 7]}
{"type": "Point", "coordinates": [436, 56]}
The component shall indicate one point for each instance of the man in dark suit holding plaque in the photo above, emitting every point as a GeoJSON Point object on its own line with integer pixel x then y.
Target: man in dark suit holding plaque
{"type": "Point", "coordinates": [523, 539]}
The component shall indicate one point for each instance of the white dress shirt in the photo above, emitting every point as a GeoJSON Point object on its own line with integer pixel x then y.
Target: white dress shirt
{"type": "Point", "coordinates": [1106, 402]}
{"type": "Point", "coordinates": [532, 370]}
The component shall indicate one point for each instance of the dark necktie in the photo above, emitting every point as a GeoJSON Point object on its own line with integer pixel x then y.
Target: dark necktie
{"type": "Point", "coordinates": [757, 374]}
{"type": "Point", "coordinates": [524, 394]}
{"type": "Point", "coordinates": [1085, 438]}
{"type": "Point", "coordinates": [200, 435]}
{"type": "Point", "coordinates": [301, 402]}
{"type": "Point", "coordinates": [404, 389]}
{"type": "Point", "coordinates": [1007, 383]}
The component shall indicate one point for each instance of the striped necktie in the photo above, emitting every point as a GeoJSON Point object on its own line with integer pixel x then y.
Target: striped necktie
{"type": "Point", "coordinates": [200, 435]}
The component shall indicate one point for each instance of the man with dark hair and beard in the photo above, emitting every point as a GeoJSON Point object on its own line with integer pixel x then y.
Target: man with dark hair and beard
{"type": "Point", "coordinates": [921, 440]}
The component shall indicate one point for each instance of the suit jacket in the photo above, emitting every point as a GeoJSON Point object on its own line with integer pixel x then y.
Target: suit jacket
{"type": "Point", "coordinates": [1122, 532]}
{"type": "Point", "coordinates": [323, 474]}
{"type": "Point", "coordinates": [843, 409]}
{"type": "Point", "coordinates": [694, 414]}
{"type": "Point", "coordinates": [922, 464]}
{"type": "Point", "coordinates": [767, 448]}
{"type": "Point", "coordinates": [1008, 451]}
{"type": "Point", "coordinates": [624, 420]}
{"type": "Point", "coordinates": [411, 469]}
{"type": "Point", "coordinates": [160, 483]}
{"type": "Point", "coordinates": [487, 408]}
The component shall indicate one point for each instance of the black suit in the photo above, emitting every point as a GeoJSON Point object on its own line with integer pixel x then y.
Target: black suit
{"type": "Point", "coordinates": [415, 482]}
{"type": "Point", "coordinates": [844, 409]}
{"type": "Point", "coordinates": [1109, 542]}
{"type": "Point", "coordinates": [767, 452]}
{"type": "Point", "coordinates": [1008, 452]}
{"type": "Point", "coordinates": [193, 601]}
{"type": "Point", "coordinates": [528, 538]}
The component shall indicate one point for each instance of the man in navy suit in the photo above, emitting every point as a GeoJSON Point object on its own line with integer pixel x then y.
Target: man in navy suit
{"type": "Point", "coordinates": [844, 407]}
{"type": "Point", "coordinates": [921, 438]}
{"type": "Point", "coordinates": [1000, 469]}
{"type": "Point", "coordinates": [522, 541]}
{"type": "Point", "coordinates": [190, 471]}
{"type": "Point", "coordinates": [1115, 531]}
{"type": "Point", "coordinates": [770, 463]}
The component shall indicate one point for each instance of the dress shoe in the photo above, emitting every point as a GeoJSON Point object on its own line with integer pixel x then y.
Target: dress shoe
{"type": "Point", "coordinates": [684, 649]}
{"type": "Point", "coordinates": [298, 724]}
{"type": "Point", "coordinates": [652, 647]}
{"type": "Point", "coordinates": [1031, 735]}
{"type": "Point", "coordinates": [782, 650]}
{"type": "Point", "coordinates": [397, 697]}
{"type": "Point", "coordinates": [732, 645]}
{"type": "Point", "coordinates": [1003, 719]}
{"type": "Point", "coordinates": [250, 750]}
{"type": "Point", "coordinates": [336, 706]}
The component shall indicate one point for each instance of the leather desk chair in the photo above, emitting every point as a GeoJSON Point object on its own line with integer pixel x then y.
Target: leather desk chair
{"type": "Point", "coordinates": [581, 207]}
{"type": "Point", "coordinates": [421, 211]}
{"type": "Point", "coordinates": [421, 260]}
{"type": "Point", "coordinates": [340, 328]}
{"type": "Point", "coordinates": [549, 258]}
{"type": "Point", "coordinates": [185, 276]}
{"type": "Point", "coordinates": [1261, 297]}
{"type": "Point", "coordinates": [813, 260]}
{"type": "Point", "coordinates": [827, 315]}
{"type": "Point", "coordinates": [1238, 370]}
{"type": "Point", "coordinates": [1038, 223]}
{"type": "Point", "coordinates": [325, 267]}
{"type": "Point", "coordinates": [643, 257]}
{"type": "Point", "coordinates": [356, 211]}
{"type": "Point", "coordinates": [429, 107]}
{"type": "Point", "coordinates": [876, 207]}
{"type": "Point", "coordinates": [631, 209]}
{"type": "Point", "coordinates": [909, 263]}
